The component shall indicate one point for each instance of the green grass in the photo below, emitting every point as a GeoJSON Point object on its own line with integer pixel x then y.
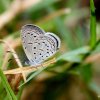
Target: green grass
{"type": "Point", "coordinates": [10, 93]}
{"type": "Point", "coordinates": [92, 24]}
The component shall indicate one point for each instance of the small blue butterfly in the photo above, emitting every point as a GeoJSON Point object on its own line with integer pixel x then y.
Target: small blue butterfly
{"type": "Point", "coordinates": [38, 45]}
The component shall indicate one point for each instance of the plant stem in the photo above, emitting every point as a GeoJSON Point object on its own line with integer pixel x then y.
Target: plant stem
{"type": "Point", "coordinates": [92, 25]}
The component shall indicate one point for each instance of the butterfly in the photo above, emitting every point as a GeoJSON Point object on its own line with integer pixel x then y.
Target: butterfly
{"type": "Point", "coordinates": [38, 44]}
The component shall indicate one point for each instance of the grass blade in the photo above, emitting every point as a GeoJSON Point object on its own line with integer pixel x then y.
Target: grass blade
{"type": "Point", "coordinates": [9, 91]}
{"type": "Point", "coordinates": [75, 55]}
{"type": "Point", "coordinates": [33, 75]}
{"type": "Point", "coordinates": [92, 25]}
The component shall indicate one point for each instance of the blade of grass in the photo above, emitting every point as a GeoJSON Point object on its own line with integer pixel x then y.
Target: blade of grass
{"type": "Point", "coordinates": [9, 91]}
{"type": "Point", "coordinates": [92, 25]}
{"type": "Point", "coordinates": [20, 92]}
{"type": "Point", "coordinates": [33, 75]}
{"type": "Point", "coordinates": [2, 94]}
{"type": "Point", "coordinates": [75, 55]}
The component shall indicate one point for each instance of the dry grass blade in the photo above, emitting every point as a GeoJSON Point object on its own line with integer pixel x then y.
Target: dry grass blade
{"type": "Point", "coordinates": [29, 68]}
{"type": "Point", "coordinates": [15, 56]}
{"type": "Point", "coordinates": [5, 61]}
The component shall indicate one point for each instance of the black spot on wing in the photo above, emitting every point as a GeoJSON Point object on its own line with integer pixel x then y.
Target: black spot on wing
{"type": "Point", "coordinates": [34, 47]}
{"type": "Point", "coordinates": [40, 53]}
{"type": "Point", "coordinates": [30, 43]}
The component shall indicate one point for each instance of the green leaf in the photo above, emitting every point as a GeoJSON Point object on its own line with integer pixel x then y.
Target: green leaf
{"type": "Point", "coordinates": [75, 55]}
{"type": "Point", "coordinates": [86, 72]}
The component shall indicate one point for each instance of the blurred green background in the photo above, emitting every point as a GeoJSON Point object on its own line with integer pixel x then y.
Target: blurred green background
{"type": "Point", "coordinates": [76, 74]}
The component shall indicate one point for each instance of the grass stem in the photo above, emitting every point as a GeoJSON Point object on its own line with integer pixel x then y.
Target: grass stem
{"type": "Point", "coordinates": [92, 25]}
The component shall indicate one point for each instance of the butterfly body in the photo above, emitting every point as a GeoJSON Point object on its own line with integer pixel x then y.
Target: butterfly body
{"type": "Point", "coordinates": [38, 45]}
